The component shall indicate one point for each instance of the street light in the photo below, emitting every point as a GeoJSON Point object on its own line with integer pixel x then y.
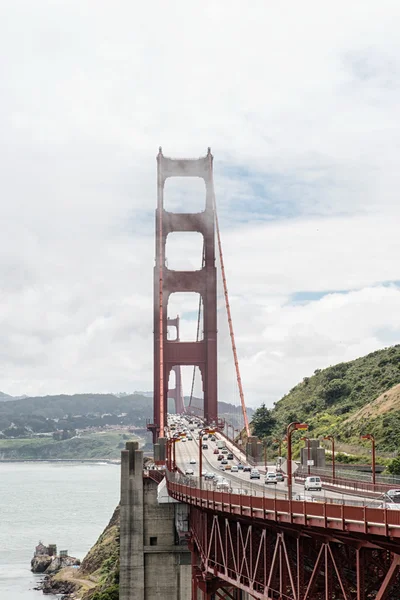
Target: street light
{"type": "Point", "coordinates": [332, 439]}
{"type": "Point", "coordinates": [369, 436]}
{"type": "Point", "coordinates": [306, 439]}
{"type": "Point", "coordinates": [265, 455]}
{"type": "Point", "coordinates": [295, 426]}
{"type": "Point", "coordinates": [276, 441]}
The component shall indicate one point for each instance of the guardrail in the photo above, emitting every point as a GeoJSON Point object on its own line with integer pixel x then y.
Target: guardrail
{"type": "Point", "coordinates": [343, 517]}
{"type": "Point", "coordinates": [345, 483]}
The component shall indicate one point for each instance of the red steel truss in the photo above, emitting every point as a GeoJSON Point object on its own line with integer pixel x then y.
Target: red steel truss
{"type": "Point", "coordinates": [291, 550]}
{"type": "Point", "coordinates": [168, 354]}
{"type": "Point", "coordinates": [289, 563]}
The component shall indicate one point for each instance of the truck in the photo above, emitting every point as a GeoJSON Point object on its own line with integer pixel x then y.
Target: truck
{"type": "Point", "coordinates": [220, 444]}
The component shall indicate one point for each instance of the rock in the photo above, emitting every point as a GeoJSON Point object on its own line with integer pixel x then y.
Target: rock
{"type": "Point", "coordinates": [59, 562]}
{"type": "Point", "coordinates": [54, 586]}
{"type": "Point", "coordinates": [40, 563]}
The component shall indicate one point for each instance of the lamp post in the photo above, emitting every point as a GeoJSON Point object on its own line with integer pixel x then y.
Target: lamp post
{"type": "Point", "coordinates": [369, 436]}
{"type": "Point", "coordinates": [332, 439]}
{"type": "Point", "coordinates": [306, 439]}
{"type": "Point", "coordinates": [276, 441]}
{"type": "Point", "coordinates": [265, 455]}
{"type": "Point", "coordinates": [295, 426]}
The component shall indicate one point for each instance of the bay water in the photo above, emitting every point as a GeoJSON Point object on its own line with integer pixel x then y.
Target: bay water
{"type": "Point", "coordinates": [68, 504]}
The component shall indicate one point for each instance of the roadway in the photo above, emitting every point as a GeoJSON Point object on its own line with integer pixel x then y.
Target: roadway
{"type": "Point", "coordinates": [240, 481]}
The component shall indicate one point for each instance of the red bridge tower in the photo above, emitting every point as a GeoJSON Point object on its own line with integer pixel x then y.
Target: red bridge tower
{"type": "Point", "coordinates": [167, 353]}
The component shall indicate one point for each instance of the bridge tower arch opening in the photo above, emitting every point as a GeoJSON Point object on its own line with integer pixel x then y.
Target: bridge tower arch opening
{"type": "Point", "coordinates": [172, 353]}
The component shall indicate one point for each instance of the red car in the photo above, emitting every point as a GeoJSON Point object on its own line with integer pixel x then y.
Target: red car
{"type": "Point", "coordinates": [216, 451]}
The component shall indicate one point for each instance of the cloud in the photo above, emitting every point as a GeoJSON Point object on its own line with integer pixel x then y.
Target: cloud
{"type": "Point", "coordinates": [300, 108]}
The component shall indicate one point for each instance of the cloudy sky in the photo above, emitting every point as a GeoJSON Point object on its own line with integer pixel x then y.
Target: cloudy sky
{"type": "Point", "coordinates": [300, 105]}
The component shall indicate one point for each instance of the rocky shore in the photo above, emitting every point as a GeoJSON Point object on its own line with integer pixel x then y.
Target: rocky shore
{"type": "Point", "coordinates": [52, 564]}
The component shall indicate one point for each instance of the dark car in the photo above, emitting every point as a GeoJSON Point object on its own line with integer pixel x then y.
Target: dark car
{"type": "Point", "coordinates": [246, 468]}
{"type": "Point", "coordinates": [220, 457]}
{"type": "Point", "coordinates": [205, 446]}
{"type": "Point", "coordinates": [230, 457]}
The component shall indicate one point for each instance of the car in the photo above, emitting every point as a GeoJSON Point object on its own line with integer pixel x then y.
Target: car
{"type": "Point", "coordinates": [216, 451]}
{"type": "Point", "coordinates": [254, 474]}
{"type": "Point", "coordinates": [221, 467]}
{"type": "Point", "coordinates": [209, 476]}
{"type": "Point", "coordinates": [227, 467]}
{"type": "Point", "coordinates": [313, 483]}
{"type": "Point", "coordinates": [279, 476]}
{"type": "Point", "coordinates": [393, 496]}
{"type": "Point", "coordinates": [246, 469]}
{"type": "Point", "coordinates": [183, 439]}
{"type": "Point", "coordinates": [189, 437]}
{"type": "Point", "coordinates": [230, 456]}
{"type": "Point", "coordinates": [240, 467]}
{"type": "Point", "coordinates": [223, 486]}
{"type": "Point", "coordinates": [192, 461]}
{"type": "Point", "coordinates": [189, 472]}
{"type": "Point", "coordinates": [224, 461]}
{"type": "Point", "coordinates": [212, 438]}
{"type": "Point", "coordinates": [234, 469]}
{"type": "Point", "coordinates": [220, 457]}
{"type": "Point", "coordinates": [270, 478]}
{"type": "Point", "coordinates": [204, 446]}
{"type": "Point", "coordinates": [224, 451]}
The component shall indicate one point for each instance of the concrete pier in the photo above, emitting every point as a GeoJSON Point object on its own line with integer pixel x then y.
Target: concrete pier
{"type": "Point", "coordinates": [155, 563]}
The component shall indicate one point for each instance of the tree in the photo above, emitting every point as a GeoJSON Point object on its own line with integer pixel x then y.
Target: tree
{"type": "Point", "coordinates": [394, 466]}
{"type": "Point", "coordinates": [263, 422]}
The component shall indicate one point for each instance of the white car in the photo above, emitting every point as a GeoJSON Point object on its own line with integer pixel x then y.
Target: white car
{"type": "Point", "coordinates": [189, 472]}
{"type": "Point", "coordinates": [254, 474]}
{"type": "Point", "coordinates": [313, 483]}
{"type": "Point", "coordinates": [234, 469]}
{"type": "Point", "coordinates": [271, 478]}
{"type": "Point", "coordinates": [192, 461]}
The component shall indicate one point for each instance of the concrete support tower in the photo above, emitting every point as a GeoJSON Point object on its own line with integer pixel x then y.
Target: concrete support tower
{"type": "Point", "coordinates": [155, 562]}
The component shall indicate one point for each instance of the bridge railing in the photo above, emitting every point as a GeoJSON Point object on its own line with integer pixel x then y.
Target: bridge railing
{"type": "Point", "coordinates": [353, 485]}
{"type": "Point", "coordinates": [246, 488]}
{"type": "Point", "coordinates": [344, 517]}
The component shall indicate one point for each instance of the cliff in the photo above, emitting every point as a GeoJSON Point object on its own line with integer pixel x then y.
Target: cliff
{"type": "Point", "coordinates": [98, 576]}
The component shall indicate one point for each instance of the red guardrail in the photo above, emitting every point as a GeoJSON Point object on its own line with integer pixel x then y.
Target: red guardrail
{"type": "Point", "coordinates": [374, 521]}
{"type": "Point", "coordinates": [348, 484]}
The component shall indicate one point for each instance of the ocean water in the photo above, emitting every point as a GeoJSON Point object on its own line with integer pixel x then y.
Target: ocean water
{"type": "Point", "coordinates": [67, 504]}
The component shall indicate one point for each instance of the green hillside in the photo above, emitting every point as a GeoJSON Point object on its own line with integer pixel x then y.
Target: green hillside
{"type": "Point", "coordinates": [348, 399]}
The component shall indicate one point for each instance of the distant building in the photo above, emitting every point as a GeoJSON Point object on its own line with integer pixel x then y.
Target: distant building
{"type": "Point", "coordinates": [42, 550]}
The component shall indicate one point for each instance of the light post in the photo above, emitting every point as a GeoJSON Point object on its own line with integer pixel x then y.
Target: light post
{"type": "Point", "coordinates": [276, 441]}
{"type": "Point", "coordinates": [332, 439]}
{"type": "Point", "coordinates": [265, 455]}
{"type": "Point", "coordinates": [369, 436]}
{"type": "Point", "coordinates": [295, 426]}
{"type": "Point", "coordinates": [306, 439]}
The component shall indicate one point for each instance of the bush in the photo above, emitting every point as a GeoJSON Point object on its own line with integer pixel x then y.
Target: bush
{"type": "Point", "coordinates": [109, 593]}
{"type": "Point", "coordinates": [394, 466]}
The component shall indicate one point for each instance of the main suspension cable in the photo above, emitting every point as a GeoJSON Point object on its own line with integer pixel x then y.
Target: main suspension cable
{"type": "Point", "coordinates": [228, 312]}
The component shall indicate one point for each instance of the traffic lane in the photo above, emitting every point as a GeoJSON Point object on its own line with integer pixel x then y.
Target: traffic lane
{"type": "Point", "coordinates": [241, 479]}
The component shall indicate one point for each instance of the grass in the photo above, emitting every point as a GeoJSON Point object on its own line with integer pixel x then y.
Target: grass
{"type": "Point", "coordinates": [101, 445]}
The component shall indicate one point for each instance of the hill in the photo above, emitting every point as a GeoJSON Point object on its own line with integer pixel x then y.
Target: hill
{"type": "Point", "coordinates": [348, 399]}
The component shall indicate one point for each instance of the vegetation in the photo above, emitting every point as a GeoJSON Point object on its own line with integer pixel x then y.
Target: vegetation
{"type": "Point", "coordinates": [48, 414]}
{"type": "Point", "coordinates": [98, 576]}
{"type": "Point", "coordinates": [100, 445]}
{"type": "Point", "coordinates": [346, 400]}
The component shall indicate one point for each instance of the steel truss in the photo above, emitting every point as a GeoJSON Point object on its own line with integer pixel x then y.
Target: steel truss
{"type": "Point", "coordinates": [288, 563]}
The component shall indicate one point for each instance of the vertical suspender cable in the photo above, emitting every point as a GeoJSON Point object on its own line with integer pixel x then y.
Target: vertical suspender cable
{"type": "Point", "coordinates": [228, 312]}
{"type": "Point", "coordinates": [198, 329]}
